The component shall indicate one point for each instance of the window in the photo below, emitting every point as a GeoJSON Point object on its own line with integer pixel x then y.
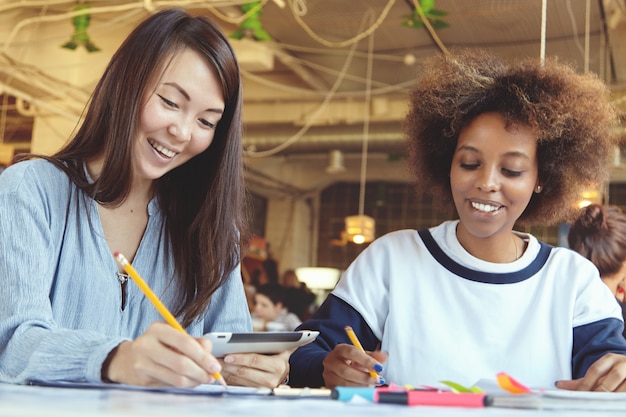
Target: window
{"type": "Point", "coordinates": [394, 206]}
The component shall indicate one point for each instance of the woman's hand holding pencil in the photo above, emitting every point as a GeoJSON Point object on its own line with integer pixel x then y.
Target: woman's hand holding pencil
{"type": "Point", "coordinates": [165, 355]}
{"type": "Point", "coordinates": [350, 365]}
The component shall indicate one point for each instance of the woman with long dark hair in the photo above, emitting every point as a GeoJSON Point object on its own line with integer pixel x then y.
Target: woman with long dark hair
{"type": "Point", "coordinates": [154, 172]}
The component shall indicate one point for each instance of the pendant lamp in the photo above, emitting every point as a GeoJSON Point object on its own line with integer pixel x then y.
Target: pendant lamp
{"type": "Point", "coordinates": [360, 228]}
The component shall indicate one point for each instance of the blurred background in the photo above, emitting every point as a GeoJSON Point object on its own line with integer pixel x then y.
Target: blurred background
{"type": "Point", "coordinates": [325, 90]}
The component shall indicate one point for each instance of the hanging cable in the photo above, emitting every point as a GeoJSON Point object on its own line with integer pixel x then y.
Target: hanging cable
{"type": "Point", "coordinates": [239, 19]}
{"type": "Point", "coordinates": [144, 4]}
{"type": "Point", "coordinates": [403, 87]}
{"type": "Point", "coordinates": [362, 34]}
{"type": "Point", "coordinates": [300, 7]}
{"type": "Point", "coordinates": [587, 33]}
{"type": "Point", "coordinates": [429, 28]}
{"type": "Point", "coordinates": [3, 116]}
{"type": "Point", "coordinates": [542, 47]}
{"type": "Point", "coordinates": [572, 18]}
{"type": "Point", "coordinates": [366, 121]}
{"type": "Point", "coordinates": [312, 118]}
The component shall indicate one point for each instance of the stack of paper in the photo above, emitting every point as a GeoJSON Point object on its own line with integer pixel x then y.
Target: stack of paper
{"type": "Point", "coordinates": [561, 400]}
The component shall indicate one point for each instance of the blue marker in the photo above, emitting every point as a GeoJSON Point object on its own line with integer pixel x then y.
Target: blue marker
{"type": "Point", "coordinates": [347, 393]}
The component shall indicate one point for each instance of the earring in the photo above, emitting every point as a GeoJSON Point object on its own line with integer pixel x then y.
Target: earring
{"type": "Point", "coordinates": [538, 189]}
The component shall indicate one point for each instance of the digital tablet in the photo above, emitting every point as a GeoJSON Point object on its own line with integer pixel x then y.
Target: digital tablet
{"type": "Point", "coordinates": [258, 342]}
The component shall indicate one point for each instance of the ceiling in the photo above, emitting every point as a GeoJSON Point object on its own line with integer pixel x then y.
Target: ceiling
{"type": "Point", "coordinates": [335, 71]}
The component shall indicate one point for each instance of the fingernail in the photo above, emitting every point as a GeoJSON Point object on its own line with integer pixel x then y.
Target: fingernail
{"type": "Point", "coordinates": [229, 359]}
{"type": "Point", "coordinates": [381, 380]}
{"type": "Point", "coordinates": [378, 367]}
{"type": "Point", "coordinates": [620, 290]}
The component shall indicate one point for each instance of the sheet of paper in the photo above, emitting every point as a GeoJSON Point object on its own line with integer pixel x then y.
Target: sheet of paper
{"type": "Point", "coordinates": [206, 389]}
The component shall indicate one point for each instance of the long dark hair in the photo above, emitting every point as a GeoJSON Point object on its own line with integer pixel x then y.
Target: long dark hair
{"type": "Point", "coordinates": [202, 200]}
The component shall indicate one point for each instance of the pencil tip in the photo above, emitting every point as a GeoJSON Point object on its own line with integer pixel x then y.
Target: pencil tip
{"type": "Point", "coordinates": [222, 381]}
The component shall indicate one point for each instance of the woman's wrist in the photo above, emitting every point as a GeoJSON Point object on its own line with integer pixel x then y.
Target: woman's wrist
{"type": "Point", "coordinates": [104, 371]}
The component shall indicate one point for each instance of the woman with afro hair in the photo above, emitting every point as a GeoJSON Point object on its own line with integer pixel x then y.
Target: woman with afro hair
{"type": "Point", "coordinates": [505, 144]}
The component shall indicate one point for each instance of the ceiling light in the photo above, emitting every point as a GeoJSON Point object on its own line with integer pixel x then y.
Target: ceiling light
{"type": "Point", "coordinates": [360, 228]}
{"type": "Point", "coordinates": [335, 162]}
{"type": "Point", "coordinates": [321, 278]}
{"type": "Point", "coordinates": [589, 196]}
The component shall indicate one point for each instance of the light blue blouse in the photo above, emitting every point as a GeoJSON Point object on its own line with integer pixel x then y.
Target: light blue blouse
{"type": "Point", "coordinates": [60, 298]}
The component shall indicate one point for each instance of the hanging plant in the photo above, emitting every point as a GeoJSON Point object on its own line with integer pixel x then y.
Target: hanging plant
{"type": "Point", "coordinates": [80, 36]}
{"type": "Point", "coordinates": [251, 27]}
{"type": "Point", "coordinates": [433, 15]}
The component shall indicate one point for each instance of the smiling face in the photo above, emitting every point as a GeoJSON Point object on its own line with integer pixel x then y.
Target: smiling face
{"type": "Point", "coordinates": [493, 175]}
{"type": "Point", "coordinates": [178, 117]}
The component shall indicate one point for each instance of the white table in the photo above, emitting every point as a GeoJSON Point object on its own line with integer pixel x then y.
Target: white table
{"type": "Point", "coordinates": [33, 401]}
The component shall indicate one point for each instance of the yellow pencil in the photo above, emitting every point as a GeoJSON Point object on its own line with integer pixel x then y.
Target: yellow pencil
{"type": "Point", "coordinates": [357, 344]}
{"type": "Point", "coordinates": [169, 317]}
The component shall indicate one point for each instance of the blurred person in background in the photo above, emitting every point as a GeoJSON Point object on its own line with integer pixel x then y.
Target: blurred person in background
{"type": "Point", "coordinates": [270, 309]}
{"type": "Point", "coordinates": [599, 234]}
